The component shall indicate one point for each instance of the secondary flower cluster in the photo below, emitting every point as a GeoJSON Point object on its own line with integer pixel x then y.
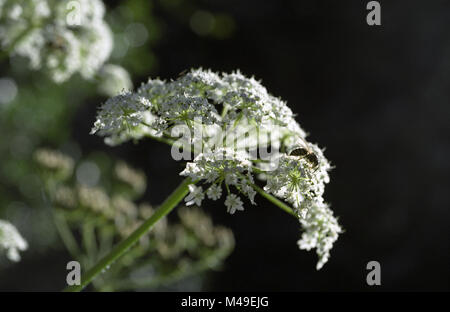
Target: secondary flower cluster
{"type": "Point", "coordinates": [215, 104]}
{"type": "Point", "coordinates": [11, 241]}
{"type": "Point", "coordinates": [62, 37]}
{"type": "Point", "coordinates": [296, 182]}
{"type": "Point", "coordinates": [223, 166]}
{"type": "Point", "coordinates": [321, 230]}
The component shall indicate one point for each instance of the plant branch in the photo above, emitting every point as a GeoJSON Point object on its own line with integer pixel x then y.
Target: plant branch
{"type": "Point", "coordinates": [66, 235]}
{"type": "Point", "coordinates": [275, 201]}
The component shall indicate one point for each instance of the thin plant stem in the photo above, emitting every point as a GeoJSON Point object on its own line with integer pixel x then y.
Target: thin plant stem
{"type": "Point", "coordinates": [89, 240]}
{"type": "Point", "coordinates": [66, 235]}
{"type": "Point", "coordinates": [170, 142]}
{"type": "Point", "coordinates": [161, 139]}
{"type": "Point", "coordinates": [275, 201]}
{"type": "Point", "coordinates": [167, 206]}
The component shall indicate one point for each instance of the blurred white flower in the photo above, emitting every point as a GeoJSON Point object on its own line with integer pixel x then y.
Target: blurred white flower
{"type": "Point", "coordinates": [41, 31]}
{"type": "Point", "coordinates": [114, 79]}
{"type": "Point", "coordinates": [8, 90]}
{"type": "Point", "coordinates": [11, 241]}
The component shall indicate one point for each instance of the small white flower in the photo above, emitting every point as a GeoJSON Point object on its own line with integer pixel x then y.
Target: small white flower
{"type": "Point", "coordinates": [303, 212]}
{"type": "Point", "coordinates": [231, 178]}
{"type": "Point", "coordinates": [233, 203]}
{"type": "Point", "coordinates": [214, 192]}
{"type": "Point", "coordinates": [11, 241]}
{"type": "Point", "coordinates": [249, 191]}
{"type": "Point", "coordinates": [195, 196]}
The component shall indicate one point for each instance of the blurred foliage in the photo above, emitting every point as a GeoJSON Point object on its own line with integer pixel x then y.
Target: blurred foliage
{"type": "Point", "coordinates": [35, 112]}
{"type": "Point", "coordinates": [101, 214]}
{"type": "Point", "coordinates": [41, 113]}
{"type": "Point", "coordinates": [136, 31]}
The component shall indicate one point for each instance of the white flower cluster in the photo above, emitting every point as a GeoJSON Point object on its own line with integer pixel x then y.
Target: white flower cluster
{"type": "Point", "coordinates": [321, 230]}
{"type": "Point", "coordinates": [199, 95]}
{"type": "Point", "coordinates": [296, 182]}
{"type": "Point", "coordinates": [122, 114]}
{"type": "Point", "coordinates": [62, 37]}
{"type": "Point", "coordinates": [223, 166]}
{"type": "Point", "coordinates": [11, 241]}
{"type": "Point", "coordinates": [225, 101]}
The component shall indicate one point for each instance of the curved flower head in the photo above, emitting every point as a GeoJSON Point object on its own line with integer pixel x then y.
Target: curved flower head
{"type": "Point", "coordinates": [237, 132]}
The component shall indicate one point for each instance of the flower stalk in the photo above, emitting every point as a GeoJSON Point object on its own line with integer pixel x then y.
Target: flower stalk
{"type": "Point", "coordinates": [275, 201]}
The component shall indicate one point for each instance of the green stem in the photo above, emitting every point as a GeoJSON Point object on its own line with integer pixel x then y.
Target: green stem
{"type": "Point", "coordinates": [171, 202]}
{"type": "Point", "coordinates": [224, 111]}
{"type": "Point", "coordinates": [89, 240]}
{"type": "Point", "coordinates": [170, 142]}
{"type": "Point", "coordinates": [161, 139]}
{"type": "Point", "coordinates": [66, 235]}
{"type": "Point", "coordinates": [275, 201]}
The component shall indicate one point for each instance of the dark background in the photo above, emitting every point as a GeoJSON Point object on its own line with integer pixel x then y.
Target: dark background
{"type": "Point", "coordinates": [377, 97]}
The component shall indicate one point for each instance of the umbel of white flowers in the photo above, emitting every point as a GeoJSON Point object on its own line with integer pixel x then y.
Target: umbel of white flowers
{"type": "Point", "coordinates": [62, 37]}
{"type": "Point", "coordinates": [223, 102]}
{"type": "Point", "coordinates": [11, 241]}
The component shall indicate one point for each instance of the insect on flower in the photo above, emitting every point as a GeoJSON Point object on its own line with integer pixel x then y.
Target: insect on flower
{"type": "Point", "coordinates": [307, 153]}
{"type": "Point", "coordinates": [58, 43]}
{"type": "Point", "coordinates": [183, 72]}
